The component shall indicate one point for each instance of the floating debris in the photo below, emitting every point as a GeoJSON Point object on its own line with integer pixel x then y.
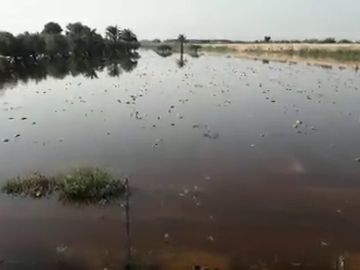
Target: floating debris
{"type": "Point", "coordinates": [5, 140]}
{"type": "Point", "coordinates": [157, 143]}
{"type": "Point", "coordinates": [211, 135]}
{"type": "Point", "coordinates": [324, 244]}
{"type": "Point", "coordinates": [211, 238]}
{"type": "Point", "coordinates": [61, 249]}
{"type": "Point", "coordinates": [340, 264]}
{"type": "Point", "coordinates": [297, 123]}
{"type": "Point", "coordinates": [166, 238]}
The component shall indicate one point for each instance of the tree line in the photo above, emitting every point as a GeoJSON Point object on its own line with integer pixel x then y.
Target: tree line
{"type": "Point", "coordinates": [76, 40]}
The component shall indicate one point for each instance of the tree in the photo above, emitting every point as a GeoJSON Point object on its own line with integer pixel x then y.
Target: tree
{"type": "Point", "coordinates": [7, 43]}
{"type": "Point", "coordinates": [32, 45]}
{"type": "Point", "coordinates": [267, 39]}
{"type": "Point", "coordinates": [83, 40]}
{"type": "Point", "coordinates": [80, 40]}
{"type": "Point", "coordinates": [113, 33]}
{"type": "Point", "coordinates": [128, 36]}
{"type": "Point", "coordinates": [52, 28]}
{"type": "Point", "coordinates": [56, 45]}
{"type": "Point", "coordinates": [121, 41]}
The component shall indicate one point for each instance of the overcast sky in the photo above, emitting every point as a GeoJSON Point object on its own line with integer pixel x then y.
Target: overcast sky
{"type": "Point", "coordinates": [231, 19]}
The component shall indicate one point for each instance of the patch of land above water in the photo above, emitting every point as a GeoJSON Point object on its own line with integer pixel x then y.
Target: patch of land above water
{"type": "Point", "coordinates": [322, 54]}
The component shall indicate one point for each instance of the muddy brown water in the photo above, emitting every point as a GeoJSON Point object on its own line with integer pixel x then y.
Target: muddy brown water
{"type": "Point", "coordinates": [220, 176]}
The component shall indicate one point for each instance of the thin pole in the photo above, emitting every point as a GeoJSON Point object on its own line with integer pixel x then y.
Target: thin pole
{"type": "Point", "coordinates": [127, 216]}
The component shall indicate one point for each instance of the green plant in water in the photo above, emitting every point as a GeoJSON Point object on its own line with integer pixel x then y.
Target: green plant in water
{"type": "Point", "coordinates": [90, 185]}
{"type": "Point", "coordinates": [86, 185]}
{"type": "Point", "coordinates": [35, 185]}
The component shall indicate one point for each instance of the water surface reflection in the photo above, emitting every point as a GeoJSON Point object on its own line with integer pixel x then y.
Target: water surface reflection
{"type": "Point", "coordinates": [233, 164]}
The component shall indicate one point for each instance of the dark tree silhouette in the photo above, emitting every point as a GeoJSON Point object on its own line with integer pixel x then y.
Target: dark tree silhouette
{"type": "Point", "coordinates": [7, 44]}
{"type": "Point", "coordinates": [79, 40]}
{"type": "Point", "coordinates": [267, 39]}
{"type": "Point", "coordinates": [52, 28]}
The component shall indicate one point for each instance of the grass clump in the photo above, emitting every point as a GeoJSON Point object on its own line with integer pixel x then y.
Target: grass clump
{"type": "Point", "coordinates": [85, 185]}
{"type": "Point", "coordinates": [35, 185]}
{"type": "Point", "coordinates": [90, 185]}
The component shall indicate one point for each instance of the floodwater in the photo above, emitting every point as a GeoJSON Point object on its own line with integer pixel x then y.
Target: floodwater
{"type": "Point", "coordinates": [233, 164]}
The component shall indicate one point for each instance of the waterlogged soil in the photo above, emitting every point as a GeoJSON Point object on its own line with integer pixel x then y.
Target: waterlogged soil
{"type": "Point", "coordinates": [232, 163]}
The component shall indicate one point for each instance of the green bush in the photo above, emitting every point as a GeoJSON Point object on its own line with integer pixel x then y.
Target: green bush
{"type": "Point", "coordinates": [86, 185]}
{"type": "Point", "coordinates": [35, 185]}
{"type": "Point", "coordinates": [90, 185]}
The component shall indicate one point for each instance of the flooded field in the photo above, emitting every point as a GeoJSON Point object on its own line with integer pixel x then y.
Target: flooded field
{"type": "Point", "coordinates": [233, 164]}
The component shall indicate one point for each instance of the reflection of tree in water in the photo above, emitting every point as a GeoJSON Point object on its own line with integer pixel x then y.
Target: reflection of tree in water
{"type": "Point", "coordinates": [164, 53]}
{"type": "Point", "coordinates": [114, 69]}
{"type": "Point", "coordinates": [13, 72]}
{"type": "Point", "coordinates": [164, 50]}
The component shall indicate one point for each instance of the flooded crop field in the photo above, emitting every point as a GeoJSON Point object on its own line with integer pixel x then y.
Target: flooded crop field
{"type": "Point", "coordinates": [232, 164]}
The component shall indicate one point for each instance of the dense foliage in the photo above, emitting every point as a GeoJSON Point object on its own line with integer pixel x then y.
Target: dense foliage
{"type": "Point", "coordinates": [77, 40]}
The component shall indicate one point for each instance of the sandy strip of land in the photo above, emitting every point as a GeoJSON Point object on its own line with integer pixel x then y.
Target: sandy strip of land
{"type": "Point", "coordinates": [272, 52]}
{"type": "Point", "coordinates": [278, 47]}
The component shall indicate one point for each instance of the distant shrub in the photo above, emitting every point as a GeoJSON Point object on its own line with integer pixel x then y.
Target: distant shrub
{"type": "Point", "coordinates": [345, 41]}
{"type": "Point", "coordinates": [267, 39]}
{"type": "Point", "coordinates": [328, 41]}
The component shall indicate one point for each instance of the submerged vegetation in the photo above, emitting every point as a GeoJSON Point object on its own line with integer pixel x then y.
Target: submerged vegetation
{"type": "Point", "coordinates": [85, 185]}
{"type": "Point", "coordinates": [90, 185]}
{"type": "Point", "coordinates": [78, 40]}
{"type": "Point", "coordinates": [34, 185]}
